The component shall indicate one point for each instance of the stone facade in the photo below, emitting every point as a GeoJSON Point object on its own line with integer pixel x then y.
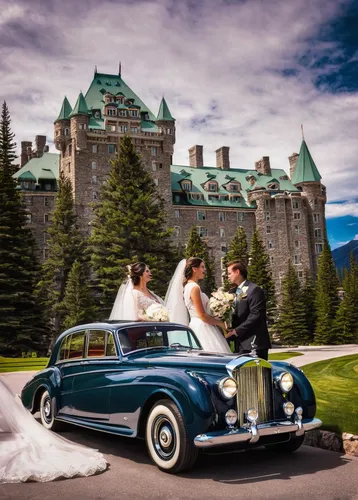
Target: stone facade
{"type": "Point", "coordinates": [290, 217]}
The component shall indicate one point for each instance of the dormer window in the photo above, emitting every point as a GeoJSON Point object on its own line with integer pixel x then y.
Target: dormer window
{"type": "Point", "coordinates": [133, 113]}
{"type": "Point", "coordinates": [122, 112]}
{"type": "Point", "coordinates": [212, 186]}
{"type": "Point", "coordinates": [234, 187]}
{"type": "Point", "coordinates": [109, 98]}
{"type": "Point", "coordinates": [186, 185]}
{"type": "Point", "coordinates": [274, 186]}
{"type": "Point", "coordinates": [120, 100]}
{"type": "Point", "coordinates": [111, 111]}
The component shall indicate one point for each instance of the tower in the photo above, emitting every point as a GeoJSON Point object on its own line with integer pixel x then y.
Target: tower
{"type": "Point", "coordinates": [307, 179]}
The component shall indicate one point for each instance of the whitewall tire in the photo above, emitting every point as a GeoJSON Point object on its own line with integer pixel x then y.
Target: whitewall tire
{"type": "Point", "coordinates": [166, 437]}
{"type": "Point", "coordinates": [47, 412]}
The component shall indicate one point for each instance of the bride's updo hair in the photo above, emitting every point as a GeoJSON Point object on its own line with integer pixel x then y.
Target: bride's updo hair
{"type": "Point", "coordinates": [136, 271]}
{"type": "Point", "coordinates": [188, 271]}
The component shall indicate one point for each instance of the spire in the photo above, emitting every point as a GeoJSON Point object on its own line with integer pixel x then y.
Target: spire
{"type": "Point", "coordinates": [120, 68]}
{"type": "Point", "coordinates": [80, 106]}
{"type": "Point", "coordinates": [95, 70]}
{"type": "Point", "coordinates": [65, 110]}
{"type": "Point", "coordinates": [164, 113]}
{"type": "Point", "coordinates": [305, 170]}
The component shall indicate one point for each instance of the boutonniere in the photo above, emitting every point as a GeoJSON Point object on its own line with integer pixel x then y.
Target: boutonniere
{"type": "Point", "coordinates": [243, 295]}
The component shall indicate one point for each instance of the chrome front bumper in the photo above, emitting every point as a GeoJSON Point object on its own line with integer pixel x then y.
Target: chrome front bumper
{"type": "Point", "coordinates": [253, 433]}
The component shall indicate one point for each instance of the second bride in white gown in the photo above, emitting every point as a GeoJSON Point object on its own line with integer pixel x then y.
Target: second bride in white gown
{"type": "Point", "coordinates": [185, 297]}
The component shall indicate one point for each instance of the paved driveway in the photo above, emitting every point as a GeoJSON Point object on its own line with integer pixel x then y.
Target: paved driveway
{"type": "Point", "coordinates": [311, 354]}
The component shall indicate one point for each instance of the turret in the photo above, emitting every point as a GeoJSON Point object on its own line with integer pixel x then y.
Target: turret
{"type": "Point", "coordinates": [79, 122]}
{"type": "Point", "coordinates": [62, 126]}
{"type": "Point", "coordinates": [166, 122]}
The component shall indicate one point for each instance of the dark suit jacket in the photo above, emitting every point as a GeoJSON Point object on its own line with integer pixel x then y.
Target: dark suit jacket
{"type": "Point", "coordinates": [250, 320]}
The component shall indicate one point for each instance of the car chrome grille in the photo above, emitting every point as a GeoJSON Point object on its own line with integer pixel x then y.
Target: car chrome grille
{"type": "Point", "coordinates": [255, 390]}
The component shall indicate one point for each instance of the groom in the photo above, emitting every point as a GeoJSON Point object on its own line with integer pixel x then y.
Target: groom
{"type": "Point", "coordinates": [249, 320]}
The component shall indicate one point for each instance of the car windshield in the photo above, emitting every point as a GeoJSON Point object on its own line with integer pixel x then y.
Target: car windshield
{"type": "Point", "coordinates": [146, 337]}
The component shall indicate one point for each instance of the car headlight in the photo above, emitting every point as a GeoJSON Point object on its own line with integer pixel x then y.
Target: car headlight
{"type": "Point", "coordinates": [285, 382]}
{"type": "Point", "coordinates": [227, 387]}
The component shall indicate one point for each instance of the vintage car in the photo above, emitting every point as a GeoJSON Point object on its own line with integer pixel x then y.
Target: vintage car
{"type": "Point", "coordinates": [153, 380]}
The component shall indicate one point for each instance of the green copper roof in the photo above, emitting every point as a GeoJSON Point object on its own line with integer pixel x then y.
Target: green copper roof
{"type": "Point", "coordinates": [164, 113]}
{"type": "Point", "coordinates": [65, 110]}
{"type": "Point", "coordinates": [45, 168]}
{"type": "Point", "coordinates": [80, 106]}
{"type": "Point", "coordinates": [306, 170]}
{"type": "Point", "coordinates": [222, 197]}
{"type": "Point", "coordinates": [114, 85]}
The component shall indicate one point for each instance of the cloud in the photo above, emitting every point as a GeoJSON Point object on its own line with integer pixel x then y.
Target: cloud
{"type": "Point", "coordinates": [240, 74]}
{"type": "Point", "coordinates": [356, 237]}
{"type": "Point", "coordinates": [334, 210]}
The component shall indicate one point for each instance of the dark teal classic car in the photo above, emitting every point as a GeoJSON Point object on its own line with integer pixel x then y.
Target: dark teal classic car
{"type": "Point", "coordinates": [153, 380]}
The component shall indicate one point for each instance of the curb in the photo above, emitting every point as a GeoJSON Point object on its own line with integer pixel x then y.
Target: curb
{"type": "Point", "coordinates": [343, 443]}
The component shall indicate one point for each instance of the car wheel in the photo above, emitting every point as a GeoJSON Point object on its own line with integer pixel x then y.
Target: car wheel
{"type": "Point", "coordinates": [47, 412]}
{"type": "Point", "coordinates": [289, 447]}
{"type": "Point", "coordinates": [167, 440]}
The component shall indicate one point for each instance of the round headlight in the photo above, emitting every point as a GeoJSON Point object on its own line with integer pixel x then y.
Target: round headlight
{"type": "Point", "coordinates": [288, 408]}
{"type": "Point", "coordinates": [231, 417]}
{"type": "Point", "coordinates": [285, 382]}
{"type": "Point", "coordinates": [227, 387]}
{"type": "Point", "coordinates": [252, 414]}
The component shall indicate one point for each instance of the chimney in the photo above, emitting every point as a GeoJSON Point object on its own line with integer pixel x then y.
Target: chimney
{"type": "Point", "coordinates": [222, 158]}
{"type": "Point", "coordinates": [196, 156]}
{"type": "Point", "coordinates": [263, 166]}
{"type": "Point", "coordinates": [293, 159]}
{"type": "Point", "coordinates": [24, 152]}
{"type": "Point", "coordinates": [40, 143]}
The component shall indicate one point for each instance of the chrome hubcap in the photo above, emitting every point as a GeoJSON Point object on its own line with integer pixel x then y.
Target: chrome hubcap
{"type": "Point", "coordinates": [46, 410]}
{"type": "Point", "coordinates": [164, 437]}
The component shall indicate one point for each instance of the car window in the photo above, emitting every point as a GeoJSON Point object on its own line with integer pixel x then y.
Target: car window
{"type": "Point", "coordinates": [101, 344]}
{"type": "Point", "coordinates": [72, 346]}
{"type": "Point", "coordinates": [132, 339]}
{"type": "Point", "coordinates": [96, 344]}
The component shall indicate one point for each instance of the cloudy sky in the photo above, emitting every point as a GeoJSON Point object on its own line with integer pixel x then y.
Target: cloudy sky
{"type": "Point", "coordinates": [238, 73]}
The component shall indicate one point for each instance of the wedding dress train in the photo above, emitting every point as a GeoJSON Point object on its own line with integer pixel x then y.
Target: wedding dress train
{"type": "Point", "coordinates": [29, 452]}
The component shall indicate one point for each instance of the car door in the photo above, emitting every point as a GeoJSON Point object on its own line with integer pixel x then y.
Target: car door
{"type": "Point", "coordinates": [70, 365]}
{"type": "Point", "coordinates": [92, 387]}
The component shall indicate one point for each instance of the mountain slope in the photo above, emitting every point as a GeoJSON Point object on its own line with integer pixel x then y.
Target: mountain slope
{"type": "Point", "coordinates": [342, 254]}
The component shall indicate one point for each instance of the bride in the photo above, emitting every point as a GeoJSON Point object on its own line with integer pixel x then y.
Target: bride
{"type": "Point", "coordinates": [133, 297]}
{"type": "Point", "coordinates": [29, 452]}
{"type": "Point", "coordinates": [184, 296]}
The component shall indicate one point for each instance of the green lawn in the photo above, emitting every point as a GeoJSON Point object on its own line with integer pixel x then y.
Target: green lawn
{"type": "Point", "coordinates": [22, 364]}
{"type": "Point", "coordinates": [335, 382]}
{"type": "Point", "coordinates": [279, 356]}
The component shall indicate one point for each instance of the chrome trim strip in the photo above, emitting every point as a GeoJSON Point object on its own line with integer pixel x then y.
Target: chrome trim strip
{"type": "Point", "coordinates": [253, 433]}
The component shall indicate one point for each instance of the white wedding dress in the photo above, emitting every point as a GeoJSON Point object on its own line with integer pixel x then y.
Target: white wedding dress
{"type": "Point", "coordinates": [131, 304]}
{"type": "Point", "coordinates": [210, 337]}
{"type": "Point", "coordinates": [29, 452]}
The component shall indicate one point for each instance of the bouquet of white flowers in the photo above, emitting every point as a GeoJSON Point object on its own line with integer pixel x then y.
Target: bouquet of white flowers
{"type": "Point", "coordinates": [222, 305]}
{"type": "Point", "coordinates": [157, 312]}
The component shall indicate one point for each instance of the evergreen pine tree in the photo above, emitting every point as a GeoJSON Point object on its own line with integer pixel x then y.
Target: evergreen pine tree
{"type": "Point", "coordinates": [237, 251]}
{"type": "Point", "coordinates": [65, 246]}
{"type": "Point", "coordinates": [326, 300]}
{"type": "Point", "coordinates": [196, 247]}
{"type": "Point", "coordinates": [291, 324]}
{"type": "Point", "coordinates": [259, 272]}
{"type": "Point", "coordinates": [129, 226]}
{"type": "Point", "coordinates": [353, 290]}
{"type": "Point", "coordinates": [78, 305]}
{"type": "Point", "coordinates": [21, 322]}
{"type": "Point", "coordinates": [308, 297]}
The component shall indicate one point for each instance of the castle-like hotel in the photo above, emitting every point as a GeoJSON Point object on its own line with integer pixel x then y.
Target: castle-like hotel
{"type": "Point", "coordinates": [288, 210]}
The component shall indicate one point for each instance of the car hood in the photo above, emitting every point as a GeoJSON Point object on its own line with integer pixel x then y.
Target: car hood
{"type": "Point", "coordinates": [183, 359]}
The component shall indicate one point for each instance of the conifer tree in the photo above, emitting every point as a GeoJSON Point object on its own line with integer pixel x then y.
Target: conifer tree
{"type": "Point", "coordinates": [65, 246]}
{"type": "Point", "coordinates": [129, 226]}
{"type": "Point", "coordinates": [260, 273]}
{"type": "Point", "coordinates": [21, 323]}
{"type": "Point", "coordinates": [326, 300]}
{"type": "Point", "coordinates": [353, 291]}
{"type": "Point", "coordinates": [237, 251]}
{"type": "Point", "coordinates": [308, 297]}
{"type": "Point", "coordinates": [78, 305]}
{"type": "Point", "coordinates": [291, 324]}
{"type": "Point", "coordinates": [196, 247]}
